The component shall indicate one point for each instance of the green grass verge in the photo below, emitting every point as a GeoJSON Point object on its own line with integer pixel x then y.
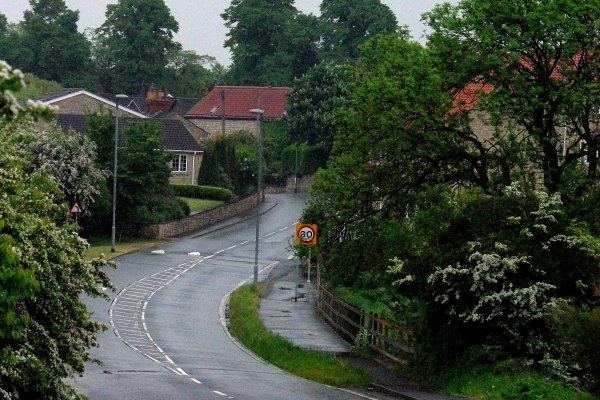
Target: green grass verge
{"type": "Point", "coordinates": [320, 367]}
{"type": "Point", "coordinates": [524, 386]}
{"type": "Point", "coordinates": [200, 204]}
{"type": "Point", "coordinates": [101, 245]}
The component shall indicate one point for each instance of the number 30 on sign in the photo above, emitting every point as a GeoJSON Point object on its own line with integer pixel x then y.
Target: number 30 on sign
{"type": "Point", "coordinates": [306, 234]}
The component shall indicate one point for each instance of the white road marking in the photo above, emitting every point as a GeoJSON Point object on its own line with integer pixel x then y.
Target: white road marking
{"type": "Point", "coordinates": [131, 303]}
{"type": "Point", "coordinates": [219, 393]}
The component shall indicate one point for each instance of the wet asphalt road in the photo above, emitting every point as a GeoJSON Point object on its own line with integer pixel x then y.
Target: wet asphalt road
{"type": "Point", "coordinates": [165, 339]}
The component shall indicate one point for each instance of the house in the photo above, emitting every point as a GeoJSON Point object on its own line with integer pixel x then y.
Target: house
{"type": "Point", "coordinates": [226, 109]}
{"type": "Point", "coordinates": [160, 104]}
{"type": "Point", "coordinates": [180, 136]}
{"type": "Point", "coordinates": [80, 101]}
{"type": "Point", "coordinates": [187, 152]}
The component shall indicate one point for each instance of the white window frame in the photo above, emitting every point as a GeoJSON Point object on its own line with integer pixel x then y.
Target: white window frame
{"type": "Point", "coordinates": [179, 163]}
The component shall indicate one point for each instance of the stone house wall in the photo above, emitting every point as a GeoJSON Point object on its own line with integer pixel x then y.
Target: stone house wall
{"type": "Point", "coordinates": [214, 125]}
{"type": "Point", "coordinates": [190, 177]}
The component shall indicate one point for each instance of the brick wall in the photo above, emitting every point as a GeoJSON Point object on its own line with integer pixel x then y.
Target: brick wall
{"type": "Point", "coordinates": [200, 220]}
{"type": "Point", "coordinates": [215, 127]}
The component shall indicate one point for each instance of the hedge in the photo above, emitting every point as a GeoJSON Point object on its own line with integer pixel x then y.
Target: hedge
{"type": "Point", "coordinates": [203, 192]}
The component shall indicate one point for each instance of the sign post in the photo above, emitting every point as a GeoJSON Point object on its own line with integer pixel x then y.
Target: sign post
{"type": "Point", "coordinates": [306, 235]}
{"type": "Point", "coordinates": [75, 209]}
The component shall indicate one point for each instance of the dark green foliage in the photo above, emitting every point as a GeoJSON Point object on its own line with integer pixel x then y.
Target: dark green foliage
{"type": "Point", "coordinates": [51, 47]}
{"type": "Point", "coordinates": [17, 284]}
{"type": "Point", "coordinates": [143, 193]}
{"type": "Point", "coordinates": [138, 36]}
{"type": "Point", "coordinates": [312, 104]}
{"type": "Point", "coordinates": [230, 161]}
{"type": "Point", "coordinates": [349, 23]}
{"type": "Point", "coordinates": [189, 74]}
{"type": "Point", "coordinates": [36, 87]}
{"type": "Point", "coordinates": [271, 42]}
{"type": "Point", "coordinates": [203, 192]}
{"type": "Point", "coordinates": [303, 160]}
{"type": "Point", "coordinates": [541, 65]}
{"type": "Point", "coordinates": [578, 333]}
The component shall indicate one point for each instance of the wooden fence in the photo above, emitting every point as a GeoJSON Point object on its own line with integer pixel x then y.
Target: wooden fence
{"type": "Point", "coordinates": [386, 337]}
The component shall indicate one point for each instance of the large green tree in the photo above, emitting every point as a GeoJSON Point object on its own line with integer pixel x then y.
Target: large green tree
{"type": "Point", "coordinates": [313, 102]}
{"type": "Point", "coordinates": [138, 34]}
{"type": "Point", "coordinates": [143, 193]}
{"type": "Point", "coordinates": [55, 50]}
{"type": "Point", "coordinates": [348, 23]}
{"type": "Point", "coordinates": [271, 42]}
{"type": "Point", "coordinates": [540, 58]}
{"type": "Point", "coordinates": [189, 74]}
{"type": "Point", "coordinates": [45, 329]}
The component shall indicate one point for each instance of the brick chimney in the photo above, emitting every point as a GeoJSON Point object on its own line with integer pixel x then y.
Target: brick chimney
{"type": "Point", "coordinates": [158, 100]}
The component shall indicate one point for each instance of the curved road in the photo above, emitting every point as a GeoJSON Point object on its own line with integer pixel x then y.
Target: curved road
{"type": "Point", "coordinates": [165, 338]}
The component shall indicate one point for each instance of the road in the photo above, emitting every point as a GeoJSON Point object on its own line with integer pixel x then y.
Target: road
{"type": "Point", "coordinates": [165, 338]}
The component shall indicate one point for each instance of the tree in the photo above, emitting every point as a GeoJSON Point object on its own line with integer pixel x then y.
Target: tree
{"type": "Point", "coordinates": [143, 193]}
{"type": "Point", "coordinates": [45, 329]}
{"type": "Point", "coordinates": [69, 158]}
{"type": "Point", "coordinates": [313, 102]}
{"type": "Point", "coordinates": [230, 162]}
{"type": "Point", "coordinates": [35, 86]}
{"type": "Point", "coordinates": [139, 36]}
{"type": "Point", "coordinates": [539, 56]}
{"type": "Point", "coordinates": [57, 51]}
{"type": "Point", "coordinates": [271, 42]}
{"type": "Point", "coordinates": [189, 74]}
{"type": "Point", "coordinates": [349, 23]}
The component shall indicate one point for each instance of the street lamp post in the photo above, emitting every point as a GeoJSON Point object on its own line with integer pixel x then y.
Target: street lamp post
{"type": "Point", "coordinates": [259, 114]}
{"type": "Point", "coordinates": [113, 232]}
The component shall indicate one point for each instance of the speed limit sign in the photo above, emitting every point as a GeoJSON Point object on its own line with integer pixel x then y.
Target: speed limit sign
{"type": "Point", "coordinates": [306, 234]}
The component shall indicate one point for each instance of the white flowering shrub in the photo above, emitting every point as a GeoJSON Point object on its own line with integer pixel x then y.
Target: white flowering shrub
{"type": "Point", "coordinates": [492, 271]}
{"type": "Point", "coordinates": [11, 81]}
{"type": "Point", "coordinates": [46, 330]}
{"type": "Point", "coordinates": [487, 291]}
{"type": "Point", "coordinates": [68, 158]}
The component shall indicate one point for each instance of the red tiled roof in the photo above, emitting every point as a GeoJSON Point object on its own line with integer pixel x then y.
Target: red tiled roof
{"type": "Point", "coordinates": [466, 98]}
{"type": "Point", "coordinates": [239, 100]}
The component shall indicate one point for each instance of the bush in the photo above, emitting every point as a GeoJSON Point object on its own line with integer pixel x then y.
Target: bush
{"type": "Point", "coordinates": [578, 334]}
{"type": "Point", "coordinates": [203, 192]}
{"type": "Point", "coordinates": [491, 272]}
{"type": "Point", "coordinates": [156, 209]}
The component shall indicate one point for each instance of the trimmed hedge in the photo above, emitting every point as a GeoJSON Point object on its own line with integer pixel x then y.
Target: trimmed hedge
{"type": "Point", "coordinates": [203, 192]}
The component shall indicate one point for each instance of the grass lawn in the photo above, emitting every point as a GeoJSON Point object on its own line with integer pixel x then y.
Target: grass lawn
{"type": "Point", "coordinates": [101, 245]}
{"type": "Point", "coordinates": [320, 367]}
{"type": "Point", "coordinates": [200, 204]}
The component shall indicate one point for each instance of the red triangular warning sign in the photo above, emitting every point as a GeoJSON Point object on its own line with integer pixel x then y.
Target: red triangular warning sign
{"type": "Point", "coordinates": [75, 208]}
